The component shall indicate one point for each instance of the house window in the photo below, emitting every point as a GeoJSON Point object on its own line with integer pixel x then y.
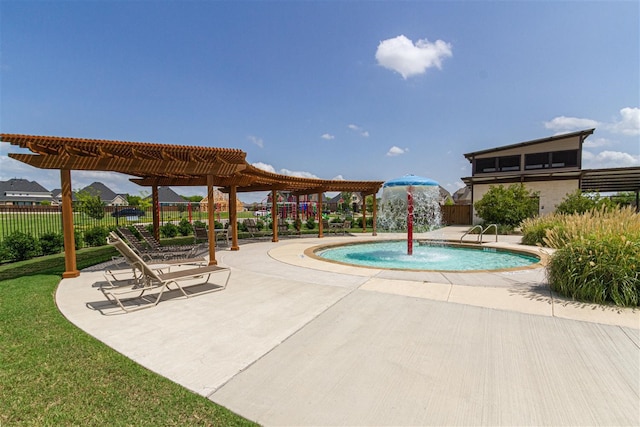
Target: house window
{"type": "Point", "coordinates": [536, 161]}
{"type": "Point", "coordinates": [564, 159]}
{"type": "Point", "coordinates": [554, 159]}
{"type": "Point", "coordinates": [486, 165]}
{"type": "Point", "coordinates": [509, 163]}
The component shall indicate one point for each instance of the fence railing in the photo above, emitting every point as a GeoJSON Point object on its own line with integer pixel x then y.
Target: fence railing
{"type": "Point", "coordinates": [39, 220]}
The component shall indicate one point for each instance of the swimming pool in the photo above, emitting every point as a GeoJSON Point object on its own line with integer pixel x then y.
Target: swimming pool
{"type": "Point", "coordinates": [438, 257]}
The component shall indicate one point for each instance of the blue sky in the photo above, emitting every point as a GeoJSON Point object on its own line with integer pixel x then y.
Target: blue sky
{"type": "Point", "coordinates": [331, 89]}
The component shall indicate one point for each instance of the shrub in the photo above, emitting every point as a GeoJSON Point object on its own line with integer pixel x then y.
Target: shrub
{"type": "Point", "coordinates": [534, 230]}
{"type": "Point", "coordinates": [96, 236]}
{"type": "Point", "coordinates": [51, 243]}
{"type": "Point", "coordinates": [184, 227]}
{"type": "Point", "coordinates": [579, 202]}
{"type": "Point", "coordinates": [169, 230]}
{"type": "Point", "coordinates": [21, 246]}
{"type": "Point", "coordinates": [597, 257]}
{"type": "Point", "coordinates": [598, 270]}
{"type": "Point", "coordinates": [507, 206]}
{"type": "Point", "coordinates": [310, 224]}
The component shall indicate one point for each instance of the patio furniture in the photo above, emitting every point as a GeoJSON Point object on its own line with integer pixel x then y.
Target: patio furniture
{"type": "Point", "coordinates": [149, 279]}
{"type": "Point", "coordinates": [252, 227]}
{"type": "Point", "coordinates": [283, 227]}
{"type": "Point", "coordinates": [149, 253]}
{"type": "Point", "coordinates": [155, 245]}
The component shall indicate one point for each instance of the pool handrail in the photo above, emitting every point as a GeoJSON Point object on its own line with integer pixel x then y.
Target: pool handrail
{"type": "Point", "coordinates": [470, 230]}
{"type": "Point", "coordinates": [485, 230]}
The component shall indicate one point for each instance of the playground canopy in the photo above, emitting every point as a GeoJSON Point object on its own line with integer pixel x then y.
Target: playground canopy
{"type": "Point", "coordinates": [154, 165]}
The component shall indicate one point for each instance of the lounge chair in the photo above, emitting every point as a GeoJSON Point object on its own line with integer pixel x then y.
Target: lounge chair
{"type": "Point", "coordinates": [283, 227]}
{"type": "Point", "coordinates": [155, 245]}
{"type": "Point", "coordinates": [202, 235]}
{"type": "Point", "coordinates": [149, 279]}
{"type": "Point", "coordinates": [252, 227]}
{"type": "Point", "coordinates": [151, 254]}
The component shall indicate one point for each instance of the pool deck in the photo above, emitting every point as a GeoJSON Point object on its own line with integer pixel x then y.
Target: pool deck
{"type": "Point", "coordinates": [298, 341]}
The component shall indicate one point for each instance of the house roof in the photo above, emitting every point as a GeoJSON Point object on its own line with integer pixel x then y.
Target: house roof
{"type": "Point", "coordinates": [169, 165]}
{"type": "Point", "coordinates": [582, 133]}
{"type": "Point", "coordinates": [31, 190]}
{"type": "Point", "coordinates": [167, 195]}
{"type": "Point", "coordinates": [22, 185]}
{"type": "Point", "coordinates": [100, 190]}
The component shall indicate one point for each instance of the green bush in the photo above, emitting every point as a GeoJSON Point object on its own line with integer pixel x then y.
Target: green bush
{"type": "Point", "coordinates": [311, 223]}
{"type": "Point", "coordinates": [51, 243]}
{"type": "Point", "coordinates": [21, 246]}
{"type": "Point", "coordinates": [169, 230]}
{"type": "Point", "coordinates": [579, 202]}
{"type": "Point", "coordinates": [598, 270]}
{"type": "Point", "coordinates": [96, 236]}
{"type": "Point", "coordinates": [507, 206]}
{"type": "Point", "coordinates": [184, 227]}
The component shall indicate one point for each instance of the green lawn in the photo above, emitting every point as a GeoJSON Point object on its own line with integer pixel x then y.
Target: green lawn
{"type": "Point", "coordinates": [52, 373]}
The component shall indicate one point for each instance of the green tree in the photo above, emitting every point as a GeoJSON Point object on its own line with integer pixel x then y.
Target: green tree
{"type": "Point", "coordinates": [90, 205]}
{"type": "Point", "coordinates": [579, 202]}
{"type": "Point", "coordinates": [193, 199]}
{"type": "Point", "coordinates": [507, 206]}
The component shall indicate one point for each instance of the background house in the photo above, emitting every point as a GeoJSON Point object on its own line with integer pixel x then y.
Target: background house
{"type": "Point", "coordinates": [550, 166]}
{"type": "Point", "coordinates": [21, 192]}
{"type": "Point", "coordinates": [221, 202]}
{"type": "Point", "coordinates": [106, 195]}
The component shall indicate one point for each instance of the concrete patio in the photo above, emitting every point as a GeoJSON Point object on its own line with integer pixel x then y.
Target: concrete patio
{"type": "Point", "coordinates": [298, 341]}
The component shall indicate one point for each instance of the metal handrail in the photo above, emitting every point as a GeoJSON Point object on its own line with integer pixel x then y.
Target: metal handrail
{"type": "Point", "coordinates": [470, 230]}
{"type": "Point", "coordinates": [485, 230]}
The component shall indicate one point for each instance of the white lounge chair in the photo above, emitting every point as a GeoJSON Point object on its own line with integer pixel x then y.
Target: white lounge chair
{"type": "Point", "coordinates": [147, 279]}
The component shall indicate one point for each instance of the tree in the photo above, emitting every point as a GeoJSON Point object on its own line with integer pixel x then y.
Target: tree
{"type": "Point", "coordinates": [90, 205]}
{"type": "Point", "coordinates": [507, 206]}
{"type": "Point", "coordinates": [579, 202]}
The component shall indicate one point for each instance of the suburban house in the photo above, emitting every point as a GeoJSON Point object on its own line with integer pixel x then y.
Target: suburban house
{"type": "Point", "coordinates": [221, 202]}
{"type": "Point", "coordinates": [550, 166]}
{"type": "Point", "coordinates": [107, 196]}
{"type": "Point", "coordinates": [21, 192]}
{"type": "Point", "coordinates": [168, 197]}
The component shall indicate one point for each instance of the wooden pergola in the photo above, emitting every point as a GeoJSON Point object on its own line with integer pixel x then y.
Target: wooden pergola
{"type": "Point", "coordinates": [155, 165]}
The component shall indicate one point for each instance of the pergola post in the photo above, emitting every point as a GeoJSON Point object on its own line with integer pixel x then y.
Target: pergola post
{"type": "Point", "coordinates": [211, 221]}
{"type": "Point", "coordinates": [155, 201]}
{"type": "Point", "coordinates": [233, 217]}
{"type": "Point", "coordinates": [374, 213]}
{"type": "Point", "coordinates": [70, 267]}
{"type": "Point", "coordinates": [320, 227]}
{"type": "Point", "coordinates": [274, 214]}
{"type": "Point", "coordinates": [364, 213]}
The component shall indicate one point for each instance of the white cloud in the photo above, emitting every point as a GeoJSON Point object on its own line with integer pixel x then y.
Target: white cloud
{"type": "Point", "coordinates": [563, 123]}
{"type": "Point", "coordinates": [596, 142]}
{"type": "Point", "coordinates": [264, 167]}
{"type": "Point", "coordinates": [609, 159]}
{"type": "Point", "coordinates": [358, 129]}
{"type": "Point", "coordinates": [400, 54]}
{"type": "Point", "coordinates": [328, 136]}
{"type": "Point", "coordinates": [396, 151]}
{"type": "Point", "coordinates": [287, 172]}
{"type": "Point", "coordinates": [258, 141]}
{"type": "Point", "coordinates": [630, 123]}
{"type": "Point", "coordinates": [338, 178]}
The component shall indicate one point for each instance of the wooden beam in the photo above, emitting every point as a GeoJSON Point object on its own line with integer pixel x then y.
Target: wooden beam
{"type": "Point", "coordinates": [70, 267]}
{"type": "Point", "coordinates": [211, 220]}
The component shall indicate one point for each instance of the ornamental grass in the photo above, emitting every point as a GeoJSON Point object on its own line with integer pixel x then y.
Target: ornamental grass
{"type": "Point", "coordinates": [597, 257]}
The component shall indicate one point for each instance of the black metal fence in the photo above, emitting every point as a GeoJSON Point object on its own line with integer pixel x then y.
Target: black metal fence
{"type": "Point", "coordinates": [39, 220]}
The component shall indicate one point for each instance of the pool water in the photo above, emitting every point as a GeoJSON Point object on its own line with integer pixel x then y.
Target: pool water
{"type": "Point", "coordinates": [426, 257]}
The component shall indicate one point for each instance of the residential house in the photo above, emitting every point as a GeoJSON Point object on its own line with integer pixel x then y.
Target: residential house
{"type": "Point", "coordinates": [21, 192]}
{"type": "Point", "coordinates": [107, 196]}
{"type": "Point", "coordinates": [551, 166]}
{"type": "Point", "coordinates": [221, 202]}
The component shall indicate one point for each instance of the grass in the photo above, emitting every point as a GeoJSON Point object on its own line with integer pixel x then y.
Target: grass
{"type": "Point", "coordinates": [597, 257]}
{"type": "Point", "coordinates": [52, 373]}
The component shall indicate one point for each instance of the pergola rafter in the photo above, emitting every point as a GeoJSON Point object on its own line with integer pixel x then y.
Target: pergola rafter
{"type": "Point", "coordinates": [156, 165]}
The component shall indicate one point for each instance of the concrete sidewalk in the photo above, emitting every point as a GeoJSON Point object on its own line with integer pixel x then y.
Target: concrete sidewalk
{"type": "Point", "coordinates": [297, 341]}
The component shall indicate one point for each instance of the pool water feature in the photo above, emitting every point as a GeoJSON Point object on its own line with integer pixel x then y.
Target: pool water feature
{"type": "Point", "coordinates": [440, 257]}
